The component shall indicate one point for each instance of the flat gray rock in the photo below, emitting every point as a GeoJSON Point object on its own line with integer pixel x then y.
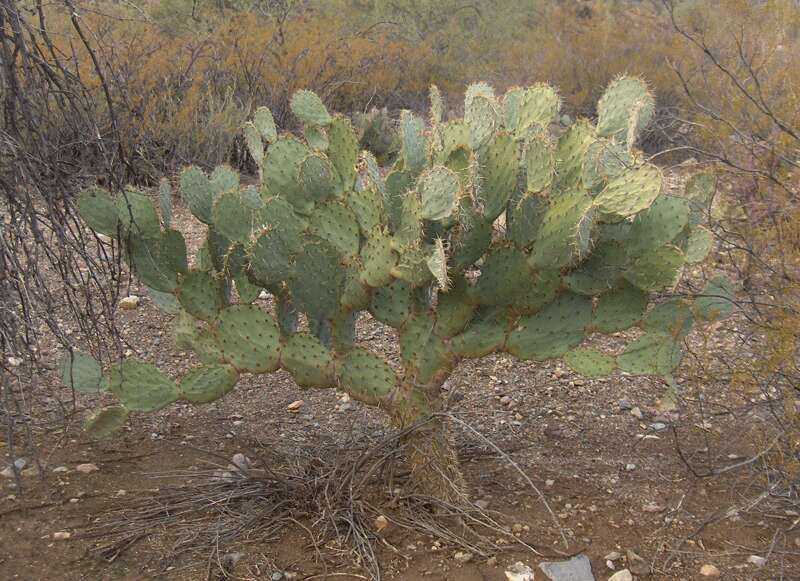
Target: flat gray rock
{"type": "Point", "coordinates": [576, 569]}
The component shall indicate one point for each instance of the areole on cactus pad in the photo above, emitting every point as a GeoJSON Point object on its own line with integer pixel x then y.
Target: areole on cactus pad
{"type": "Point", "coordinates": [588, 242]}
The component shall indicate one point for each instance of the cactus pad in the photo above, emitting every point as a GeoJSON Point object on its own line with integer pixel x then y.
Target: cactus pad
{"type": "Point", "coordinates": [484, 334]}
{"type": "Point", "coordinates": [619, 308]}
{"type": "Point", "coordinates": [626, 108]}
{"type": "Point", "coordinates": [565, 235]}
{"type": "Point", "coordinates": [343, 151]}
{"type": "Point", "coordinates": [208, 383]}
{"type": "Point", "coordinates": [200, 294]}
{"type": "Point", "coordinates": [197, 193]}
{"type": "Point", "coordinates": [554, 330]}
{"type": "Point", "coordinates": [308, 361]}
{"type": "Point", "coordinates": [106, 421]}
{"type": "Point", "coordinates": [265, 124]}
{"type": "Point", "coordinates": [308, 107]}
{"type": "Point", "coordinates": [138, 216]}
{"type": "Point", "coordinates": [658, 270]}
{"type": "Point", "coordinates": [673, 318]}
{"type": "Point", "coordinates": [336, 223]}
{"type": "Point", "coordinates": [651, 354]}
{"type": "Point", "coordinates": [318, 178]}
{"type": "Point", "coordinates": [629, 193]}
{"type": "Point", "coordinates": [590, 363]}
{"type": "Point", "coordinates": [366, 376]}
{"type": "Point", "coordinates": [499, 167]}
{"type": "Point", "coordinates": [717, 300]}
{"type": "Point", "coordinates": [141, 387]}
{"type": "Point", "coordinates": [249, 338]}
{"type": "Point", "coordinates": [440, 192]}
{"type": "Point", "coordinates": [659, 224]}
{"type": "Point", "coordinates": [99, 210]}
{"type": "Point", "coordinates": [82, 373]}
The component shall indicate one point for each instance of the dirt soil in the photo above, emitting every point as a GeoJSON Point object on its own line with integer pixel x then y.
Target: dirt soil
{"type": "Point", "coordinates": [602, 453]}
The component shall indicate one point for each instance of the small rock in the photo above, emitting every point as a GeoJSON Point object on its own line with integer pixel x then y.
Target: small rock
{"type": "Point", "coordinates": [653, 507]}
{"type": "Point", "coordinates": [295, 406]}
{"type": "Point", "coordinates": [637, 565]}
{"type": "Point", "coordinates": [630, 467]}
{"type": "Point", "coordinates": [505, 400]}
{"type": "Point", "coordinates": [637, 413]}
{"type": "Point", "coordinates": [15, 361]}
{"type": "Point", "coordinates": [86, 468]}
{"type": "Point", "coordinates": [623, 575]}
{"type": "Point", "coordinates": [264, 295]}
{"type": "Point", "coordinates": [278, 576]}
{"type": "Point", "coordinates": [625, 404]}
{"type": "Point", "coordinates": [463, 557]}
{"type": "Point", "coordinates": [129, 303]}
{"type": "Point", "coordinates": [756, 560]}
{"type": "Point", "coordinates": [491, 561]}
{"type": "Point", "coordinates": [613, 556]}
{"type": "Point", "coordinates": [709, 571]}
{"type": "Point", "coordinates": [241, 462]}
{"type": "Point", "coordinates": [61, 535]}
{"type": "Point", "coordinates": [658, 426]}
{"type": "Point", "coordinates": [610, 565]}
{"type": "Point", "coordinates": [381, 522]}
{"type": "Point", "coordinates": [517, 528]}
{"type": "Point", "coordinates": [549, 483]}
{"type": "Point", "coordinates": [576, 569]}
{"type": "Point", "coordinates": [8, 472]}
{"type": "Point", "coordinates": [60, 469]}
{"type": "Point", "coordinates": [482, 504]}
{"type": "Point", "coordinates": [519, 571]}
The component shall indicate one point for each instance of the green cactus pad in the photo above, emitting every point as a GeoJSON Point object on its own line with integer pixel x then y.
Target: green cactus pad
{"type": "Point", "coordinates": [455, 135]}
{"type": "Point", "coordinates": [619, 308]}
{"type": "Point", "coordinates": [158, 262]}
{"type": "Point", "coordinates": [499, 166]}
{"type": "Point", "coordinates": [368, 207]}
{"type": "Point", "coordinates": [629, 193]}
{"type": "Point", "coordinates": [541, 289]}
{"type": "Point", "coordinates": [453, 310]}
{"type": "Point", "coordinates": [99, 210]}
{"type": "Point", "coordinates": [554, 330]}
{"type": "Point", "coordinates": [604, 159]}
{"type": "Point", "coordinates": [651, 354]}
{"type": "Point", "coordinates": [625, 109]}
{"type": "Point", "coordinates": [412, 266]}
{"type": "Point", "coordinates": [484, 334]}
{"type": "Point", "coordinates": [437, 264]}
{"type": "Point", "coordinates": [414, 145]}
{"type": "Point", "coordinates": [525, 219]}
{"type": "Point", "coordinates": [565, 235]}
{"type": "Point", "coordinates": [204, 344]}
{"type": "Point", "coordinates": [397, 184]}
{"type": "Point", "coordinates": [343, 151]}
{"type": "Point", "coordinates": [105, 422]}
{"type": "Point", "coordinates": [355, 294]}
{"type": "Point", "coordinates": [717, 301]}
{"type": "Point", "coordinates": [265, 123]}
{"type": "Point", "coordinates": [570, 153]}
{"type": "Point", "coordinates": [440, 193]}
{"type": "Point", "coordinates": [82, 373]}
{"type": "Point", "coordinates": [540, 163]}
{"type": "Point", "coordinates": [426, 356]}
{"type": "Point", "coordinates": [247, 291]}
{"type": "Point", "coordinates": [317, 279]}
{"type": "Point", "coordinates": [409, 229]}
{"type": "Point", "coordinates": [590, 363]}
{"type": "Point", "coordinates": [316, 137]}
{"type": "Point", "coordinates": [198, 193]}
{"type": "Point", "coordinates": [658, 225]}
{"type": "Point", "coordinates": [673, 317]}
{"type": "Point", "coordinates": [142, 387]}
{"type": "Point", "coordinates": [658, 270]}
{"type": "Point", "coordinates": [377, 258]}
{"type": "Point", "coordinates": [308, 107]}
{"type": "Point", "coordinates": [200, 294]}
{"type": "Point", "coordinates": [166, 302]}
{"type": "Point", "coordinates": [138, 216]}
{"type": "Point", "coordinates": [505, 275]}
{"type": "Point", "coordinates": [698, 244]}
{"type": "Point", "coordinates": [392, 304]}
{"type": "Point", "coordinates": [334, 222]}
{"type": "Point", "coordinates": [366, 376]}
{"type": "Point", "coordinates": [319, 178]}
{"type": "Point", "coordinates": [535, 106]}
{"type": "Point", "coordinates": [254, 142]}
{"type": "Point", "coordinates": [282, 172]}
{"type": "Point", "coordinates": [271, 257]}
{"type": "Point", "coordinates": [249, 338]}
{"type": "Point", "coordinates": [231, 217]}
{"type": "Point", "coordinates": [482, 119]}
{"type": "Point", "coordinates": [224, 179]}
{"type": "Point", "coordinates": [308, 361]}
{"type": "Point", "coordinates": [469, 243]}
{"type": "Point", "coordinates": [208, 383]}
{"type": "Point", "coordinates": [700, 190]}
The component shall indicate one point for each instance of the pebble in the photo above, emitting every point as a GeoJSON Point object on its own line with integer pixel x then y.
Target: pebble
{"type": "Point", "coordinates": [636, 564]}
{"type": "Point", "coordinates": [15, 361]}
{"type": "Point", "coordinates": [653, 507]}
{"type": "Point", "coordinates": [623, 575]}
{"type": "Point", "coordinates": [381, 522]}
{"type": "Point", "coordinates": [613, 556]}
{"type": "Point", "coordinates": [658, 426]}
{"type": "Point", "coordinates": [576, 569]}
{"type": "Point", "coordinates": [463, 557]}
{"type": "Point", "coordinates": [630, 467]}
{"type": "Point", "coordinates": [519, 571]}
{"type": "Point", "coordinates": [709, 571]}
{"type": "Point", "coordinates": [757, 560]}
{"type": "Point", "coordinates": [8, 472]}
{"type": "Point", "coordinates": [625, 405]}
{"type": "Point", "coordinates": [129, 303]}
{"type": "Point", "coordinates": [491, 561]}
{"type": "Point", "coordinates": [549, 483]}
{"type": "Point", "coordinates": [482, 504]}
{"type": "Point", "coordinates": [295, 406]}
{"type": "Point", "coordinates": [241, 462]}
{"type": "Point", "coordinates": [637, 413]}
{"type": "Point", "coordinates": [60, 469]}
{"type": "Point", "coordinates": [86, 468]}
{"type": "Point", "coordinates": [505, 400]}
{"type": "Point", "coordinates": [61, 535]}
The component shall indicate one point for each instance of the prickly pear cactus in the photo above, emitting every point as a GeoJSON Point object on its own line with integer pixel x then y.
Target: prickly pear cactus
{"type": "Point", "coordinates": [589, 239]}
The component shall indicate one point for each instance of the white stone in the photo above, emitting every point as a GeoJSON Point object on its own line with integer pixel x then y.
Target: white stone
{"type": "Point", "coordinates": [62, 535]}
{"type": "Point", "coordinates": [86, 468]}
{"type": "Point", "coordinates": [519, 571]}
{"type": "Point", "coordinates": [756, 560]}
{"type": "Point", "coordinates": [709, 571]}
{"type": "Point", "coordinates": [381, 522]}
{"type": "Point", "coordinates": [623, 575]}
{"type": "Point", "coordinates": [463, 557]}
{"type": "Point", "coordinates": [295, 406]}
{"type": "Point", "coordinates": [129, 303]}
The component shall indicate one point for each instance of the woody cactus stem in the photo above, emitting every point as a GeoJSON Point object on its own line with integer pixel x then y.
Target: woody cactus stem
{"type": "Point", "coordinates": [591, 239]}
